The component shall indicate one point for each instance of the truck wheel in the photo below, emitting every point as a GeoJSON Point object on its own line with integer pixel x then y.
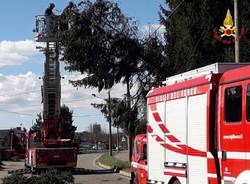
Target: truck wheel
{"type": "Point", "coordinates": [26, 166]}
{"type": "Point", "coordinates": [176, 182]}
{"type": "Point", "coordinates": [135, 180]}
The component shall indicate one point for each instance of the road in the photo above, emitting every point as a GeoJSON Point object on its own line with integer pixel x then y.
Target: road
{"type": "Point", "coordinates": [9, 165]}
{"type": "Point", "coordinates": [87, 161]}
{"type": "Point", "coordinates": [84, 161]}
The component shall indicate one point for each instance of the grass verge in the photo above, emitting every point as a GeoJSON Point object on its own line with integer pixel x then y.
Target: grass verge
{"type": "Point", "coordinates": [107, 160]}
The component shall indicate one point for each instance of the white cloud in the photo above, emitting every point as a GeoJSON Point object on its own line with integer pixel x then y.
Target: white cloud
{"type": "Point", "coordinates": [18, 92]}
{"type": "Point", "coordinates": [21, 93]}
{"type": "Point", "coordinates": [20, 100]}
{"type": "Point", "coordinates": [16, 52]}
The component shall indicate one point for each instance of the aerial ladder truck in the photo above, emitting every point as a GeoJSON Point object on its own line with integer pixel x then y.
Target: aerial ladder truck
{"type": "Point", "coordinates": [46, 148]}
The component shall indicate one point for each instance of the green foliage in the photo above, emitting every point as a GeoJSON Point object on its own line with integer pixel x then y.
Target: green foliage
{"type": "Point", "coordinates": [100, 43]}
{"type": "Point", "coordinates": [105, 159]}
{"type": "Point", "coordinates": [15, 179]}
{"type": "Point", "coordinates": [38, 125]}
{"type": "Point", "coordinates": [48, 177]}
{"type": "Point", "coordinates": [141, 128]}
{"type": "Point", "coordinates": [53, 176]}
{"type": "Point", "coordinates": [119, 113]}
{"type": "Point", "coordinates": [189, 33]}
{"type": "Point", "coordinates": [154, 66]}
{"type": "Point", "coordinates": [66, 114]}
{"type": "Point", "coordinates": [105, 45]}
{"type": "Point", "coordinates": [244, 21]}
{"type": "Point", "coordinates": [5, 141]}
{"type": "Point", "coordinates": [67, 121]}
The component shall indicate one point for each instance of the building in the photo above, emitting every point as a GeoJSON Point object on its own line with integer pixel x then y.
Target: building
{"type": "Point", "coordinates": [97, 129]}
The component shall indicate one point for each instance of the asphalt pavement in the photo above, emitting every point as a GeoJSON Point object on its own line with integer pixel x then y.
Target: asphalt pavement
{"type": "Point", "coordinates": [88, 161]}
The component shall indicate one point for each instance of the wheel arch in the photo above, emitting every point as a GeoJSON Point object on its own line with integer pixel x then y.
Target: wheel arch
{"type": "Point", "coordinates": [243, 178]}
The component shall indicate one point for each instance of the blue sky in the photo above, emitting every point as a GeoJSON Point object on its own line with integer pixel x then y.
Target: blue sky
{"type": "Point", "coordinates": [21, 66]}
{"type": "Point", "coordinates": [17, 17]}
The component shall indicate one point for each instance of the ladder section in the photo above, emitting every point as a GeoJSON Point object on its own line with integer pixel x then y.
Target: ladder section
{"type": "Point", "coordinates": [52, 87]}
{"type": "Point", "coordinates": [52, 59]}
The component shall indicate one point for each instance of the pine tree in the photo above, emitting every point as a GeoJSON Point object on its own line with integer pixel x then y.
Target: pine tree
{"type": "Point", "coordinates": [38, 124]}
{"type": "Point", "coordinates": [68, 129]}
{"type": "Point", "coordinates": [189, 35]}
{"type": "Point", "coordinates": [244, 21]}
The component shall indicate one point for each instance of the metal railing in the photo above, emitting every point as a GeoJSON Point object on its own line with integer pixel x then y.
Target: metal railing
{"type": "Point", "coordinates": [46, 28]}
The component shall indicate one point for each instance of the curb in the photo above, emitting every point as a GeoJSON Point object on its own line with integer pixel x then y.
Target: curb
{"type": "Point", "coordinates": [125, 173]}
{"type": "Point", "coordinates": [94, 163]}
{"type": "Point", "coordinates": [100, 165]}
{"type": "Point", "coordinates": [103, 166]}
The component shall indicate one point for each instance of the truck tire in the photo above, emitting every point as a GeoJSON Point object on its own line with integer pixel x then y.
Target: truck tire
{"type": "Point", "coordinates": [176, 182]}
{"type": "Point", "coordinates": [134, 180]}
{"type": "Point", "coordinates": [26, 166]}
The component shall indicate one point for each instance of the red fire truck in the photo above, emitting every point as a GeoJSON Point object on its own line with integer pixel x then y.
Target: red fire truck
{"type": "Point", "coordinates": [16, 140]}
{"type": "Point", "coordinates": [198, 129]}
{"type": "Point", "coordinates": [47, 148]}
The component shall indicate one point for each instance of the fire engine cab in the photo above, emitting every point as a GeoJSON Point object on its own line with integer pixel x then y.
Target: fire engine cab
{"type": "Point", "coordinates": [198, 129]}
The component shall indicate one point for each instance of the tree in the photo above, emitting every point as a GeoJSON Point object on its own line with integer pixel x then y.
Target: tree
{"type": "Point", "coordinates": [38, 124]}
{"type": "Point", "coordinates": [119, 110]}
{"type": "Point", "coordinates": [141, 128]}
{"type": "Point", "coordinates": [104, 45]}
{"type": "Point", "coordinates": [189, 33]}
{"type": "Point", "coordinates": [244, 21]}
{"type": "Point", "coordinates": [100, 44]}
{"type": "Point", "coordinates": [68, 129]}
{"type": "Point", "coordinates": [67, 122]}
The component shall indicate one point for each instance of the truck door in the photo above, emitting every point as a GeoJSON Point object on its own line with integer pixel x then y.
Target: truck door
{"type": "Point", "coordinates": [139, 162]}
{"type": "Point", "coordinates": [247, 110]}
{"type": "Point", "coordinates": [142, 171]}
{"type": "Point", "coordinates": [232, 131]}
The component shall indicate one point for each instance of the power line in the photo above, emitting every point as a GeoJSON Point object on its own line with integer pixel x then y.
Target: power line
{"type": "Point", "coordinates": [18, 94]}
{"type": "Point", "coordinates": [24, 114]}
{"type": "Point", "coordinates": [75, 100]}
{"type": "Point", "coordinates": [68, 101]}
{"type": "Point", "coordinates": [25, 92]}
{"type": "Point", "coordinates": [174, 10]}
{"type": "Point", "coordinates": [18, 113]}
{"type": "Point", "coordinates": [39, 105]}
{"type": "Point", "coordinates": [90, 115]}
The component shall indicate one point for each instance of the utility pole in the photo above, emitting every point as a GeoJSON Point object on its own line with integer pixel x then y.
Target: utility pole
{"type": "Point", "coordinates": [110, 132]}
{"type": "Point", "coordinates": [130, 124]}
{"type": "Point", "coordinates": [117, 138]}
{"type": "Point", "coordinates": [236, 22]}
{"type": "Point", "coordinates": [109, 120]}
